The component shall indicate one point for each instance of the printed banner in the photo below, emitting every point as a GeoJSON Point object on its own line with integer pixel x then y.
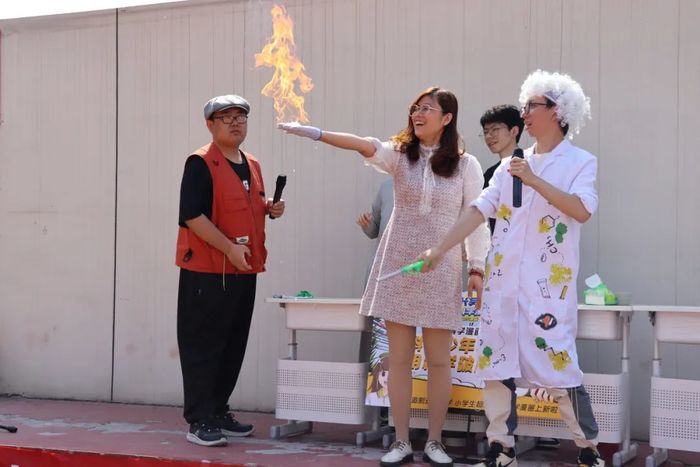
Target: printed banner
{"type": "Point", "coordinates": [466, 384]}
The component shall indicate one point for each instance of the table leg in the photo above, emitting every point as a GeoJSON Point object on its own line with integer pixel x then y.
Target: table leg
{"type": "Point", "coordinates": [291, 428]}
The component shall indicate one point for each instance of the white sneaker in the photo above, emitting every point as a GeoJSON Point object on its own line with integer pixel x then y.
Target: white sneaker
{"type": "Point", "coordinates": [434, 454]}
{"type": "Point", "coordinates": [399, 453]}
{"type": "Point", "coordinates": [498, 457]}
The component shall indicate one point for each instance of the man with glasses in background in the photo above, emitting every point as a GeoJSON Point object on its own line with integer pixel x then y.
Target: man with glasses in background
{"type": "Point", "coordinates": [501, 127]}
{"type": "Point", "coordinates": [220, 251]}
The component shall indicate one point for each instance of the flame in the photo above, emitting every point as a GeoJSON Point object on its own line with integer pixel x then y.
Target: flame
{"type": "Point", "coordinates": [279, 53]}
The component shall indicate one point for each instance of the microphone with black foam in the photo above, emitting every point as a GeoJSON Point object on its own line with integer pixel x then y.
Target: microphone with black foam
{"type": "Point", "coordinates": [517, 182]}
{"type": "Point", "coordinates": [279, 186]}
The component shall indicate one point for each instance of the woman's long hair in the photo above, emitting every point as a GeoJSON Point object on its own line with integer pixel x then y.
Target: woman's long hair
{"type": "Point", "coordinates": [444, 161]}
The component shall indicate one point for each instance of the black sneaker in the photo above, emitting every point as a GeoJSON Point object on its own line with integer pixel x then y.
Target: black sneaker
{"type": "Point", "coordinates": [498, 457]}
{"type": "Point", "coordinates": [589, 457]}
{"type": "Point", "coordinates": [229, 426]}
{"type": "Point", "coordinates": [206, 434]}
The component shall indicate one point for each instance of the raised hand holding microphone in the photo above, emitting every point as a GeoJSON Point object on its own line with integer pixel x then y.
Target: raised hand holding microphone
{"type": "Point", "coordinates": [517, 181]}
{"type": "Point", "coordinates": [522, 175]}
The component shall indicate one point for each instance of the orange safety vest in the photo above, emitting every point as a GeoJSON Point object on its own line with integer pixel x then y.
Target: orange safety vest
{"type": "Point", "coordinates": [238, 214]}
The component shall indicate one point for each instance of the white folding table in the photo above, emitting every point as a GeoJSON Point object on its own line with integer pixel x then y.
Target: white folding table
{"type": "Point", "coordinates": [674, 421]}
{"type": "Point", "coordinates": [309, 391]}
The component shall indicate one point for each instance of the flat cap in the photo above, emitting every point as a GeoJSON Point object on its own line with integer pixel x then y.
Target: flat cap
{"type": "Point", "coordinates": [218, 103]}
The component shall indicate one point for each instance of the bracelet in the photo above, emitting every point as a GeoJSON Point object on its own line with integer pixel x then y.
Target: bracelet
{"type": "Point", "coordinates": [476, 272]}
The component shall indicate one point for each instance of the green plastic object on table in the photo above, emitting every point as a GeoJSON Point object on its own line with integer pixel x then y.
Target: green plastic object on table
{"type": "Point", "coordinates": [597, 292]}
{"type": "Point", "coordinates": [304, 294]}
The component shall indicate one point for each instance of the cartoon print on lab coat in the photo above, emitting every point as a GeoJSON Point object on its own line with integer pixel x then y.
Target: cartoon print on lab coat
{"type": "Point", "coordinates": [530, 290]}
{"type": "Point", "coordinates": [546, 224]}
{"type": "Point", "coordinates": [560, 359]}
{"type": "Point", "coordinates": [505, 213]}
{"type": "Point", "coordinates": [560, 274]}
{"type": "Point", "coordinates": [485, 359]}
{"type": "Point", "coordinates": [490, 270]}
{"type": "Point", "coordinates": [544, 287]}
{"type": "Point", "coordinates": [546, 321]}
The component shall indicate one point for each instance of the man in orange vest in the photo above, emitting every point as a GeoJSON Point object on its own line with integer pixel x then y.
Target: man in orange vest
{"type": "Point", "coordinates": [220, 251]}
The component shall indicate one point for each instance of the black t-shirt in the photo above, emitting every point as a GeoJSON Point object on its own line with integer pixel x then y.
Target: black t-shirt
{"type": "Point", "coordinates": [488, 175]}
{"type": "Point", "coordinates": [197, 188]}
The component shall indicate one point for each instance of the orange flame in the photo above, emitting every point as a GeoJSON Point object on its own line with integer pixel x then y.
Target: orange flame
{"type": "Point", "coordinates": [279, 53]}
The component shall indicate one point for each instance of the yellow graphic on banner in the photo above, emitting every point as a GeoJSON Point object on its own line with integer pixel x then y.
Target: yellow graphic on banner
{"type": "Point", "coordinates": [471, 399]}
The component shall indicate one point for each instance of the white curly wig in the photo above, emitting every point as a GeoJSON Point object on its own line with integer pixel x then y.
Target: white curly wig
{"type": "Point", "coordinates": [572, 105]}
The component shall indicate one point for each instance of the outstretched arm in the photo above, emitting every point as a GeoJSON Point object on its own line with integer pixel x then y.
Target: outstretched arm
{"type": "Point", "coordinates": [468, 221]}
{"type": "Point", "coordinates": [339, 140]}
{"type": "Point", "coordinates": [349, 141]}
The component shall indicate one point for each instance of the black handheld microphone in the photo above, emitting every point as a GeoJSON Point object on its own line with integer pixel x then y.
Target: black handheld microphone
{"type": "Point", "coordinates": [517, 183]}
{"type": "Point", "coordinates": [279, 186]}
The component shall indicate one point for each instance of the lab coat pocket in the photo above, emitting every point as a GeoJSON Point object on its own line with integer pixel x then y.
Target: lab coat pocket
{"type": "Point", "coordinates": [491, 301]}
{"type": "Point", "coordinates": [497, 351]}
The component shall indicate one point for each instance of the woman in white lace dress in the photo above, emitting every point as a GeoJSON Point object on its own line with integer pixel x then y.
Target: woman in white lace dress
{"type": "Point", "coordinates": [434, 180]}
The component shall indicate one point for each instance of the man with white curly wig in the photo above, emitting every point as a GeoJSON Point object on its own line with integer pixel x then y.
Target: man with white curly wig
{"type": "Point", "coordinates": [529, 307]}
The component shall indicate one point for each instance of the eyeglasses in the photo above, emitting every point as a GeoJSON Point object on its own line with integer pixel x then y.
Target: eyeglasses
{"type": "Point", "coordinates": [422, 109]}
{"type": "Point", "coordinates": [491, 131]}
{"type": "Point", "coordinates": [228, 119]}
{"type": "Point", "coordinates": [527, 108]}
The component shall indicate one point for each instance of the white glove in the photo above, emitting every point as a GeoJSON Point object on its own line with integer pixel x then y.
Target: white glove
{"type": "Point", "coordinates": [541, 394]}
{"type": "Point", "coordinates": [295, 128]}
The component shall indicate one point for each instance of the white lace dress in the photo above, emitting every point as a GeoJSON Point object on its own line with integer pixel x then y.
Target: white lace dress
{"type": "Point", "coordinates": [425, 207]}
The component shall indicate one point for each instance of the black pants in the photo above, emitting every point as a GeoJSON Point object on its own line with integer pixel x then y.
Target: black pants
{"type": "Point", "coordinates": [213, 321]}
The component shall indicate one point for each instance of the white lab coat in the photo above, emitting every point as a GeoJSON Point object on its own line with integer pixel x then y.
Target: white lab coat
{"type": "Point", "coordinates": [529, 312]}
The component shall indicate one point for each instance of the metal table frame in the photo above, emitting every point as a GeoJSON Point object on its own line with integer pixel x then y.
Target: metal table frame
{"type": "Point", "coordinates": [627, 450]}
{"type": "Point", "coordinates": [660, 455]}
{"type": "Point", "coordinates": [296, 427]}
